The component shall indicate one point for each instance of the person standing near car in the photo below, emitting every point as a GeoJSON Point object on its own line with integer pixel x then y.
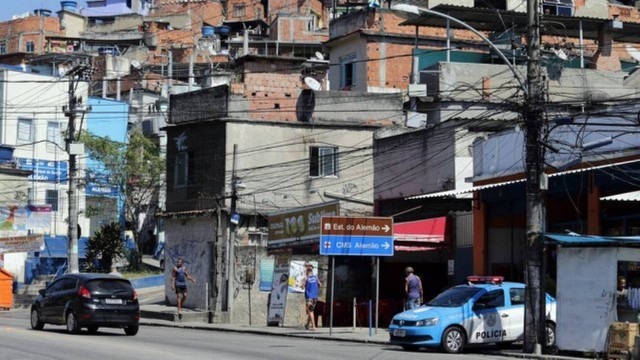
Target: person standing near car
{"type": "Point", "coordinates": [179, 277]}
{"type": "Point", "coordinates": [412, 289]}
{"type": "Point", "coordinates": [311, 286]}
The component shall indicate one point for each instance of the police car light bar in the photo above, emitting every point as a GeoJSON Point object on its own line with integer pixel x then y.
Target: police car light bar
{"type": "Point", "coordinates": [475, 279]}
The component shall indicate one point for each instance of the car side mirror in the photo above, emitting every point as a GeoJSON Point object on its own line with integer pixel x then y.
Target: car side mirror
{"type": "Point", "coordinates": [42, 291]}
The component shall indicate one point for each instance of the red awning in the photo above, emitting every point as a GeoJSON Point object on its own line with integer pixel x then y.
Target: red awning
{"type": "Point", "coordinates": [421, 235]}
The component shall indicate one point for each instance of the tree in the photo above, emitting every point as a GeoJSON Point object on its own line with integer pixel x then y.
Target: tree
{"type": "Point", "coordinates": [103, 247]}
{"type": "Point", "coordinates": [137, 169]}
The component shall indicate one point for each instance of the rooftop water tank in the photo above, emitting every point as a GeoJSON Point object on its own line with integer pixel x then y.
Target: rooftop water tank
{"type": "Point", "coordinates": [42, 12]}
{"type": "Point", "coordinates": [69, 5]}
{"type": "Point", "coordinates": [208, 31]}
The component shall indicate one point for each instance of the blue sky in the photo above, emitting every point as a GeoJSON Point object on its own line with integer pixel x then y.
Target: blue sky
{"type": "Point", "coordinates": [15, 7]}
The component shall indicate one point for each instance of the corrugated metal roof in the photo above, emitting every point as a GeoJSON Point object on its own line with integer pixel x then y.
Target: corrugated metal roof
{"type": "Point", "coordinates": [628, 196]}
{"type": "Point", "coordinates": [590, 240]}
{"type": "Point", "coordinates": [463, 191]}
{"type": "Point", "coordinates": [488, 186]}
{"type": "Point", "coordinates": [486, 19]}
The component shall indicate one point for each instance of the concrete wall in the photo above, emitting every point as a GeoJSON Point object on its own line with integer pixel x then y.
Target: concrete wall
{"type": "Point", "coordinates": [72, 24]}
{"type": "Point", "coordinates": [189, 239]}
{"type": "Point", "coordinates": [421, 161]}
{"type": "Point", "coordinates": [273, 163]}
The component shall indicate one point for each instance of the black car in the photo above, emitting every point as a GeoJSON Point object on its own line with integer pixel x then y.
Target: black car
{"type": "Point", "coordinates": [87, 301]}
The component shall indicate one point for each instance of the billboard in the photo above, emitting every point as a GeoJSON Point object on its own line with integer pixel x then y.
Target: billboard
{"type": "Point", "coordinates": [32, 218]}
{"type": "Point", "coordinates": [299, 226]}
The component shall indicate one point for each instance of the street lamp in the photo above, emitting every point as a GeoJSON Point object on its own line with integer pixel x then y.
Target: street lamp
{"type": "Point", "coordinates": [416, 10]}
{"type": "Point", "coordinates": [535, 301]}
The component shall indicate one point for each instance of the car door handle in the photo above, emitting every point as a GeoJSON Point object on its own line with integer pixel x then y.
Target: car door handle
{"type": "Point", "coordinates": [504, 315]}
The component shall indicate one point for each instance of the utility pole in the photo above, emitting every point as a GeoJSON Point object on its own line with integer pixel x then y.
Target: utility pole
{"type": "Point", "coordinates": [232, 232]}
{"type": "Point", "coordinates": [535, 314]}
{"type": "Point", "coordinates": [72, 232]}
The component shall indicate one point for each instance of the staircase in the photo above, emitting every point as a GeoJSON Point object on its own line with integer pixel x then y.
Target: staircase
{"type": "Point", "coordinates": [25, 295]}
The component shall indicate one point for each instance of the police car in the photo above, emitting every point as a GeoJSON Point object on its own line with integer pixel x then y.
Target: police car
{"type": "Point", "coordinates": [486, 310]}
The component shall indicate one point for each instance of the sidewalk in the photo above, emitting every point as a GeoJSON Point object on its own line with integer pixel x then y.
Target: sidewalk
{"type": "Point", "coordinates": [166, 316]}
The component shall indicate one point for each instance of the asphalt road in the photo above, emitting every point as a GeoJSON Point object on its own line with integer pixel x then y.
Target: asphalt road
{"type": "Point", "coordinates": [18, 341]}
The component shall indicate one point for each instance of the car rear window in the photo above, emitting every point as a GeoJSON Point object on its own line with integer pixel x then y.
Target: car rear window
{"type": "Point", "coordinates": [109, 286]}
{"type": "Point", "coordinates": [455, 296]}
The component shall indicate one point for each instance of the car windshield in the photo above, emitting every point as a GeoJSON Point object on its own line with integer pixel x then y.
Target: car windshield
{"type": "Point", "coordinates": [109, 286]}
{"type": "Point", "coordinates": [455, 296]}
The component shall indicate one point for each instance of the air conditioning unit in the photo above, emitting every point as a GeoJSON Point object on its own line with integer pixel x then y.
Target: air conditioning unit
{"type": "Point", "coordinates": [417, 90]}
{"type": "Point", "coordinates": [153, 126]}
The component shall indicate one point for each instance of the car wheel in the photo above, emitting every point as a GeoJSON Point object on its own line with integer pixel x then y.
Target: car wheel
{"type": "Point", "coordinates": [453, 340]}
{"type": "Point", "coordinates": [550, 330]}
{"type": "Point", "coordinates": [92, 329]}
{"type": "Point", "coordinates": [72, 323]}
{"type": "Point", "coordinates": [411, 347]}
{"type": "Point", "coordinates": [36, 322]}
{"type": "Point", "coordinates": [131, 330]}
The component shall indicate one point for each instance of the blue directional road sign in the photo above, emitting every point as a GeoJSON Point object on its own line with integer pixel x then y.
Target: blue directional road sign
{"type": "Point", "coordinates": [356, 236]}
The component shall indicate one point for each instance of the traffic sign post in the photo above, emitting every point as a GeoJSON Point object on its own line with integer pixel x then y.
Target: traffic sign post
{"type": "Point", "coordinates": [356, 236]}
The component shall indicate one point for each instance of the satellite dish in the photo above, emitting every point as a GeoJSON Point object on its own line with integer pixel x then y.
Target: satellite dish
{"type": "Point", "coordinates": [136, 64]}
{"type": "Point", "coordinates": [633, 52]}
{"type": "Point", "coordinates": [319, 55]}
{"type": "Point", "coordinates": [312, 83]}
{"type": "Point", "coordinates": [561, 54]}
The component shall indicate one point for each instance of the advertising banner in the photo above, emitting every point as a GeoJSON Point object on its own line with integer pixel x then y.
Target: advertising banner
{"type": "Point", "coordinates": [34, 218]}
{"type": "Point", "coordinates": [25, 243]}
{"type": "Point", "coordinates": [297, 274]}
{"type": "Point", "coordinates": [279, 290]}
{"type": "Point", "coordinates": [266, 274]}
{"type": "Point", "coordinates": [300, 225]}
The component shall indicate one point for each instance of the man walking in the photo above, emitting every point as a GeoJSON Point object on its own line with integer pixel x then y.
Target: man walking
{"type": "Point", "coordinates": [412, 289]}
{"type": "Point", "coordinates": [179, 277]}
{"type": "Point", "coordinates": [311, 286]}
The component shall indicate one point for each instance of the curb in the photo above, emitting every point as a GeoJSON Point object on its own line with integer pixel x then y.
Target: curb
{"type": "Point", "coordinates": [324, 337]}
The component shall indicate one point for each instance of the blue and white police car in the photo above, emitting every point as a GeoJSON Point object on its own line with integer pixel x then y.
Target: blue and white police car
{"type": "Point", "coordinates": [486, 310]}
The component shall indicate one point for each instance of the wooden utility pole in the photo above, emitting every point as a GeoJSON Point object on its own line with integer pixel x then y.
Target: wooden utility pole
{"type": "Point", "coordinates": [535, 334]}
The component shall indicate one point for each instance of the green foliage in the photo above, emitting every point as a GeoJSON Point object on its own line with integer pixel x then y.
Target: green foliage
{"type": "Point", "coordinates": [136, 168]}
{"type": "Point", "coordinates": [103, 247]}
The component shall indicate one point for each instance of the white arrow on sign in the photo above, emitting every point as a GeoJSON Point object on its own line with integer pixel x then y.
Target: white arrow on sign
{"type": "Point", "coordinates": [386, 228]}
{"type": "Point", "coordinates": [385, 245]}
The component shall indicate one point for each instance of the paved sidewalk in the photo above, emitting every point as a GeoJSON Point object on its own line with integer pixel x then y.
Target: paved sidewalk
{"type": "Point", "coordinates": [345, 334]}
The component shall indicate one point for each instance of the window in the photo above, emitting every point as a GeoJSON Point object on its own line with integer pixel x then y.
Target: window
{"type": "Point", "coordinates": [181, 169]}
{"type": "Point", "coordinates": [623, 2]}
{"type": "Point", "coordinates": [52, 199]}
{"type": "Point", "coordinates": [558, 7]}
{"type": "Point", "coordinates": [239, 10]}
{"type": "Point", "coordinates": [54, 136]}
{"type": "Point", "coordinates": [25, 130]}
{"type": "Point", "coordinates": [30, 47]}
{"type": "Point", "coordinates": [3, 48]}
{"type": "Point", "coordinates": [68, 284]}
{"type": "Point", "coordinates": [324, 161]}
{"type": "Point", "coordinates": [347, 72]}
{"type": "Point", "coordinates": [517, 296]}
{"type": "Point", "coordinates": [492, 299]}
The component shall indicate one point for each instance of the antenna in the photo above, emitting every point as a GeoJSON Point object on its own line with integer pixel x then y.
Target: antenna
{"type": "Point", "coordinates": [319, 55]}
{"type": "Point", "coordinates": [633, 52]}
{"type": "Point", "coordinates": [312, 83]}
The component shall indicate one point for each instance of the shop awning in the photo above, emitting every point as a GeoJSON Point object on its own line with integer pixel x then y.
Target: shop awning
{"type": "Point", "coordinates": [628, 196]}
{"type": "Point", "coordinates": [420, 235]}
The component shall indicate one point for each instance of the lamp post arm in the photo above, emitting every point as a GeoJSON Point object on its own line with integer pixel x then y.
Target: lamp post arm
{"type": "Point", "coordinates": [418, 10]}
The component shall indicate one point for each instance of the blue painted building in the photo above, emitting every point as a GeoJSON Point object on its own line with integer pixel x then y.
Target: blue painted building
{"type": "Point", "coordinates": [108, 118]}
